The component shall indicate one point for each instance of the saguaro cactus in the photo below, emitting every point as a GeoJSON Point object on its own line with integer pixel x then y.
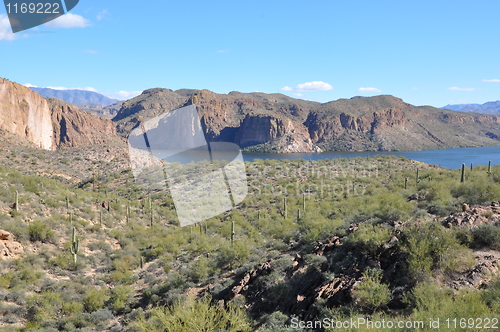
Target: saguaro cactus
{"type": "Point", "coordinates": [406, 182]}
{"type": "Point", "coordinates": [16, 204]}
{"type": "Point", "coordinates": [417, 180]}
{"type": "Point", "coordinates": [489, 167]}
{"type": "Point", "coordinates": [67, 202]}
{"type": "Point", "coordinates": [75, 246]}
{"type": "Point", "coordinates": [128, 212]}
{"type": "Point", "coordinates": [462, 177]}
{"type": "Point", "coordinates": [232, 232]}
{"type": "Point", "coordinates": [142, 262]}
{"type": "Point", "coordinates": [284, 208]}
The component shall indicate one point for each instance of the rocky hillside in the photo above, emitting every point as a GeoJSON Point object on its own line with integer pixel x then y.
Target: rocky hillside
{"type": "Point", "coordinates": [25, 113]}
{"type": "Point", "coordinates": [51, 123]}
{"type": "Point", "coordinates": [274, 122]}
{"type": "Point", "coordinates": [74, 127]}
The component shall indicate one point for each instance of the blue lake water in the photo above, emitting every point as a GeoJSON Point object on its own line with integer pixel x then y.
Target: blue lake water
{"type": "Point", "coordinates": [449, 158]}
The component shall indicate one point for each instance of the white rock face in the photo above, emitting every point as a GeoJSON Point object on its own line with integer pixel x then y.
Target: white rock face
{"type": "Point", "coordinates": [25, 113]}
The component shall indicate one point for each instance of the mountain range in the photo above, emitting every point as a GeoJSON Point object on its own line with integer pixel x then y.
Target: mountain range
{"type": "Point", "coordinates": [257, 122]}
{"type": "Point", "coordinates": [492, 107]}
{"type": "Point", "coordinates": [86, 99]}
{"type": "Point", "coordinates": [277, 123]}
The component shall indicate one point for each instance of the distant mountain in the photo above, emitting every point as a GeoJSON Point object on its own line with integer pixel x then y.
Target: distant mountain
{"type": "Point", "coordinates": [278, 123]}
{"type": "Point", "coordinates": [82, 97]}
{"type": "Point", "coordinates": [492, 107]}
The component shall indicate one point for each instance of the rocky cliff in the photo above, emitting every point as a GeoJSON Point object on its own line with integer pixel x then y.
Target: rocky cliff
{"type": "Point", "coordinates": [50, 123]}
{"type": "Point", "coordinates": [270, 121]}
{"type": "Point", "coordinates": [74, 127]}
{"type": "Point", "coordinates": [25, 113]}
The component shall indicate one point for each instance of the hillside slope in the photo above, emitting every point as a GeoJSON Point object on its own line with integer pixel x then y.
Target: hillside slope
{"type": "Point", "coordinates": [277, 123]}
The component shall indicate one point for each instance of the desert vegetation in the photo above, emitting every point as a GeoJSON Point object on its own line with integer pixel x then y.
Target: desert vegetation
{"type": "Point", "coordinates": [344, 238]}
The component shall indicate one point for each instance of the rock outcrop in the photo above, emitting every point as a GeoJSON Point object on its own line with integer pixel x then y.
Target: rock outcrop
{"type": "Point", "coordinates": [50, 123]}
{"type": "Point", "coordinates": [9, 248]}
{"type": "Point", "coordinates": [26, 114]}
{"type": "Point", "coordinates": [475, 216]}
{"type": "Point", "coordinates": [74, 127]}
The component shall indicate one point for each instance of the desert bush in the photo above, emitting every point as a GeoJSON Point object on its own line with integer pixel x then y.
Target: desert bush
{"type": "Point", "coordinates": [95, 298]}
{"type": "Point", "coordinates": [201, 269]}
{"type": "Point", "coordinates": [369, 237]}
{"type": "Point", "coordinates": [39, 231]}
{"type": "Point", "coordinates": [194, 315]}
{"type": "Point", "coordinates": [486, 235]}
{"type": "Point", "coordinates": [430, 301]}
{"type": "Point", "coordinates": [430, 246]}
{"type": "Point", "coordinates": [371, 293]}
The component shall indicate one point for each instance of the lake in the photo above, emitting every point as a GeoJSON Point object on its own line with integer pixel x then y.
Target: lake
{"type": "Point", "coordinates": [449, 158]}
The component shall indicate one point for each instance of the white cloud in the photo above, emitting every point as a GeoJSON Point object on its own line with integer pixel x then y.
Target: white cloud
{"type": "Point", "coordinates": [370, 90]}
{"type": "Point", "coordinates": [454, 88]}
{"type": "Point", "coordinates": [68, 20]}
{"type": "Point", "coordinates": [314, 86]}
{"type": "Point", "coordinates": [222, 51]}
{"type": "Point", "coordinates": [91, 51]}
{"type": "Point", "coordinates": [102, 14]}
{"type": "Point", "coordinates": [29, 85]}
{"type": "Point", "coordinates": [495, 80]}
{"type": "Point", "coordinates": [123, 95]}
{"type": "Point", "coordinates": [5, 29]}
{"type": "Point", "coordinates": [89, 88]}
{"type": "Point", "coordinates": [298, 94]}
{"type": "Point", "coordinates": [310, 86]}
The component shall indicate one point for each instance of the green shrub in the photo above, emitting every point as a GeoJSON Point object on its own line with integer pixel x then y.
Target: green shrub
{"type": "Point", "coordinates": [369, 237]}
{"type": "Point", "coordinates": [200, 269]}
{"type": "Point", "coordinates": [429, 246]}
{"type": "Point", "coordinates": [39, 231]}
{"type": "Point", "coordinates": [371, 293]}
{"type": "Point", "coordinates": [431, 301]}
{"type": "Point", "coordinates": [120, 296]}
{"type": "Point", "coordinates": [95, 298]}
{"type": "Point", "coordinates": [193, 316]}
{"type": "Point", "coordinates": [486, 235]}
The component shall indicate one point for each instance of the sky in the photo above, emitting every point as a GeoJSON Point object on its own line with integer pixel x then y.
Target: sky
{"type": "Point", "coordinates": [425, 52]}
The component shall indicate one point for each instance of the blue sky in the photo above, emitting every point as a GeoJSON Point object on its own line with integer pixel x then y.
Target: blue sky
{"type": "Point", "coordinates": [425, 52]}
